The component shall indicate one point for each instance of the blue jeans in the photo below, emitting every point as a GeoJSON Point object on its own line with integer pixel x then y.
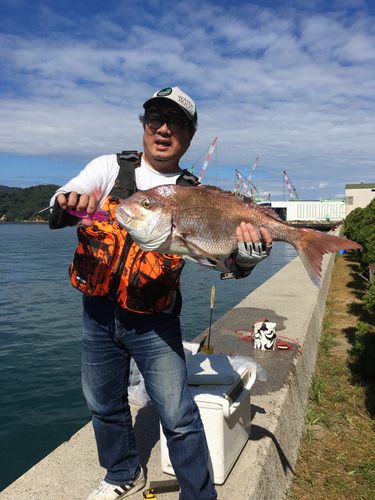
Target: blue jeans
{"type": "Point", "coordinates": [111, 336]}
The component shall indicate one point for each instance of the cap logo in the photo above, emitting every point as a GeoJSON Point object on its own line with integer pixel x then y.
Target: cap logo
{"type": "Point", "coordinates": [164, 92]}
{"type": "Point", "coordinates": [186, 103]}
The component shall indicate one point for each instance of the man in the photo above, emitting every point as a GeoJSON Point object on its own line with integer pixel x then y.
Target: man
{"type": "Point", "coordinates": [120, 322]}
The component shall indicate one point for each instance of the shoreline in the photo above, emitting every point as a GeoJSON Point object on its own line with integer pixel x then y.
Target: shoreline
{"type": "Point", "coordinates": [24, 222]}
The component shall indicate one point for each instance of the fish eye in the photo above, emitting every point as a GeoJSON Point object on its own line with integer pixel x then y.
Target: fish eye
{"type": "Point", "coordinates": [146, 203]}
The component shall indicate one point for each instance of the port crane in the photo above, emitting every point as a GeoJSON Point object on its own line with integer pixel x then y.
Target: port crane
{"type": "Point", "coordinates": [247, 181]}
{"type": "Point", "coordinates": [252, 171]}
{"type": "Point", "coordinates": [240, 179]}
{"type": "Point", "coordinates": [293, 194]}
{"type": "Point", "coordinates": [241, 182]}
{"type": "Point", "coordinates": [204, 166]}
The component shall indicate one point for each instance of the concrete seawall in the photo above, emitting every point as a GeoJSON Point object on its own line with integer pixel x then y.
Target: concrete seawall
{"type": "Point", "coordinates": [265, 466]}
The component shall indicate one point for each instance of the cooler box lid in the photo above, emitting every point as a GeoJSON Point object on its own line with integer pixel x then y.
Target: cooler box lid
{"type": "Point", "coordinates": [206, 369]}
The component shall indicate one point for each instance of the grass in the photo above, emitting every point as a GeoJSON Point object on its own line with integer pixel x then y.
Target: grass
{"type": "Point", "coordinates": [326, 342]}
{"type": "Point", "coordinates": [337, 454]}
{"type": "Point", "coordinates": [318, 389]}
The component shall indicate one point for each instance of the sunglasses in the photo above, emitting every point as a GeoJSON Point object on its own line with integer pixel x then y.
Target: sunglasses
{"type": "Point", "coordinates": [156, 121]}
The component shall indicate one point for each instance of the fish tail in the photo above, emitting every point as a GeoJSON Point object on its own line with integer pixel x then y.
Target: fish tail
{"type": "Point", "coordinates": [312, 245]}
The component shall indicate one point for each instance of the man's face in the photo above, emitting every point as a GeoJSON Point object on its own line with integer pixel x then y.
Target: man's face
{"type": "Point", "coordinates": [163, 148]}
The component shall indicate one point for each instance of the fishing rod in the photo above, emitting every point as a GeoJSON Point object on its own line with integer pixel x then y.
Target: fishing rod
{"type": "Point", "coordinates": [209, 349]}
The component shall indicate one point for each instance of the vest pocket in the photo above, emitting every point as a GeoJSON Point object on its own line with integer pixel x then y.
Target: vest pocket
{"type": "Point", "coordinates": [152, 279]}
{"type": "Point", "coordinates": [91, 267]}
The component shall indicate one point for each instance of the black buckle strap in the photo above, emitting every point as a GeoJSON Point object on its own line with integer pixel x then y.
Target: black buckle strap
{"type": "Point", "coordinates": [124, 185]}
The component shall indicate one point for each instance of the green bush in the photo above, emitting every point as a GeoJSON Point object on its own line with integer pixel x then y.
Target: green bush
{"type": "Point", "coordinates": [364, 349]}
{"type": "Point", "coordinates": [360, 227]}
{"type": "Point", "coordinates": [369, 300]}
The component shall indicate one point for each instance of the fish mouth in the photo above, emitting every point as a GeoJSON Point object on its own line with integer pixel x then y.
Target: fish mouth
{"type": "Point", "coordinates": [123, 216]}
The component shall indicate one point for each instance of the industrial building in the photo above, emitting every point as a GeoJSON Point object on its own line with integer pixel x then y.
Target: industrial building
{"type": "Point", "coordinates": [314, 211]}
{"type": "Point", "coordinates": [307, 211]}
{"type": "Point", "coordinates": [358, 195]}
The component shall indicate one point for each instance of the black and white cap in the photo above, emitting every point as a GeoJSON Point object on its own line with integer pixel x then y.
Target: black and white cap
{"type": "Point", "coordinates": [176, 95]}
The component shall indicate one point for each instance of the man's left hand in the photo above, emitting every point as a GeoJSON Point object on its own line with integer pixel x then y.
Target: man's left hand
{"type": "Point", "coordinates": [251, 248]}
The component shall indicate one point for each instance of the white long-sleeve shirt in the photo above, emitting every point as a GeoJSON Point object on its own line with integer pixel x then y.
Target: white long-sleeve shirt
{"type": "Point", "coordinates": [99, 176]}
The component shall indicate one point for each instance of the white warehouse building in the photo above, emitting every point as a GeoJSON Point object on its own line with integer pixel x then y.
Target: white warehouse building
{"type": "Point", "coordinates": [358, 195]}
{"type": "Point", "coordinates": [304, 211]}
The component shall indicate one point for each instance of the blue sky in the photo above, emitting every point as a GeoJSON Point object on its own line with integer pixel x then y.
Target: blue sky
{"type": "Point", "coordinates": [290, 82]}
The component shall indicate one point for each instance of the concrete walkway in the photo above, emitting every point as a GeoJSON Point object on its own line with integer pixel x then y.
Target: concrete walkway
{"type": "Point", "coordinates": [265, 467]}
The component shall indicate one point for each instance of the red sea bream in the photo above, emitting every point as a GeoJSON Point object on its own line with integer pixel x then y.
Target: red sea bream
{"type": "Point", "coordinates": [200, 223]}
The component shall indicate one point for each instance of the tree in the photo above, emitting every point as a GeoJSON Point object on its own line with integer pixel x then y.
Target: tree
{"type": "Point", "coordinates": [369, 300]}
{"type": "Point", "coordinates": [19, 205]}
{"type": "Point", "coordinates": [360, 227]}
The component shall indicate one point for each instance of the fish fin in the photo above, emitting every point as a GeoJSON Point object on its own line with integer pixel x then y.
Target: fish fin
{"type": "Point", "coordinates": [221, 192]}
{"type": "Point", "coordinates": [203, 252]}
{"type": "Point", "coordinates": [209, 264]}
{"type": "Point", "coordinates": [313, 245]}
{"type": "Point", "coordinates": [268, 211]}
{"type": "Point", "coordinates": [216, 190]}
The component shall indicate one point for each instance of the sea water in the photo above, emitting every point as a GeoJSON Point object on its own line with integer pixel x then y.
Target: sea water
{"type": "Point", "coordinates": [41, 403]}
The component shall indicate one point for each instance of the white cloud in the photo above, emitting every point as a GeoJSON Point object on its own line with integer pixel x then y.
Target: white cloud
{"type": "Point", "coordinates": [294, 88]}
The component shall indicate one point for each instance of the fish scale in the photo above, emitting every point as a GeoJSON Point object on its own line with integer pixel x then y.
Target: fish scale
{"type": "Point", "coordinates": [200, 223]}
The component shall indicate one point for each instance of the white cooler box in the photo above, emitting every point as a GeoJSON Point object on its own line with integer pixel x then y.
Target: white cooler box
{"type": "Point", "coordinates": [225, 412]}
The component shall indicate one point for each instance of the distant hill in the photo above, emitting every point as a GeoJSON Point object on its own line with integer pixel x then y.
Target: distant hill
{"type": "Point", "coordinates": [8, 189]}
{"type": "Point", "coordinates": [19, 205]}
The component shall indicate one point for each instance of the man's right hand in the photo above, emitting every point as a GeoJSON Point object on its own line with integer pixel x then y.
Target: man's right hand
{"type": "Point", "coordinates": [80, 203]}
{"type": "Point", "coordinates": [75, 202]}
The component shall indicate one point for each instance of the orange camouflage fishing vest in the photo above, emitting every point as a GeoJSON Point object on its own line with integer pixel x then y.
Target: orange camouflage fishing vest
{"type": "Point", "coordinates": [109, 263]}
